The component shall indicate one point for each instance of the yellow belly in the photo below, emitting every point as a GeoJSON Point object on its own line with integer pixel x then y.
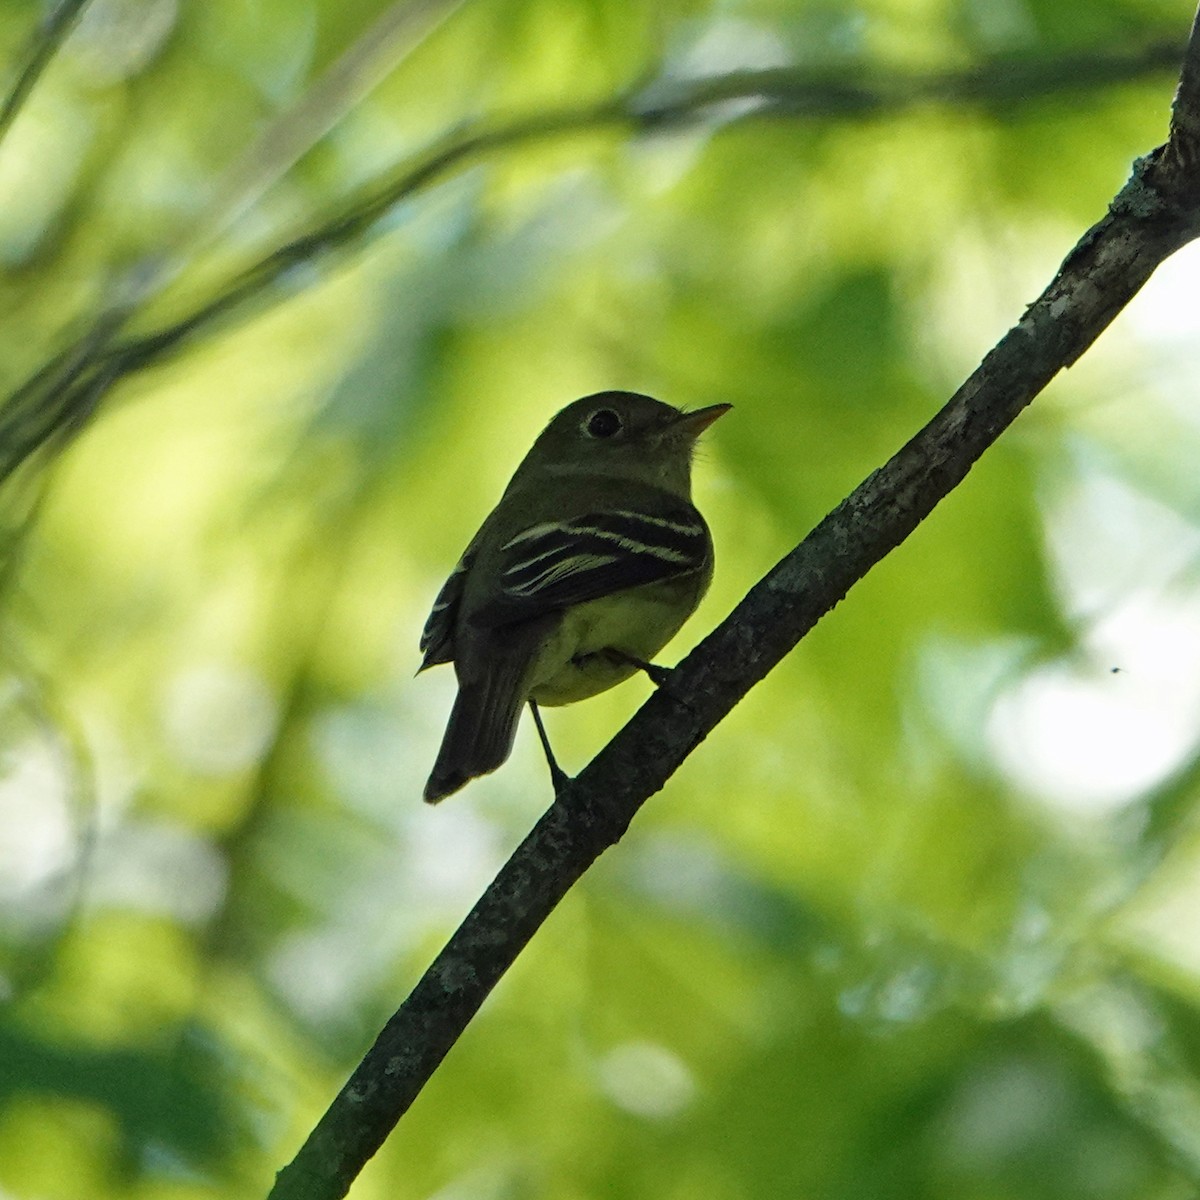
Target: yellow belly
{"type": "Point", "coordinates": [572, 664]}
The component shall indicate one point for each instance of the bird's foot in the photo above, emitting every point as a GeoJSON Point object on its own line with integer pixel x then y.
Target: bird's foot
{"type": "Point", "coordinates": [658, 675]}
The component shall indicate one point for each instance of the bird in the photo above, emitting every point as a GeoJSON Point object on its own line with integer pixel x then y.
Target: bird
{"type": "Point", "coordinates": [590, 563]}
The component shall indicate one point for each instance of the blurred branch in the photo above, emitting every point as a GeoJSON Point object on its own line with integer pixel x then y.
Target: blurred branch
{"type": "Point", "coordinates": [55, 402]}
{"type": "Point", "coordinates": [401, 27]}
{"type": "Point", "coordinates": [1156, 212]}
{"type": "Point", "coordinates": [43, 45]}
{"type": "Point", "coordinates": [60, 397]}
{"type": "Point", "coordinates": [994, 84]}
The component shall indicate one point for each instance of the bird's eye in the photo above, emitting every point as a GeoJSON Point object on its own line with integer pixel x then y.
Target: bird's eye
{"type": "Point", "coordinates": [603, 423]}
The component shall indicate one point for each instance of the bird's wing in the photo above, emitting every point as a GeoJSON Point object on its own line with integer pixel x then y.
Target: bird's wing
{"type": "Point", "coordinates": [553, 564]}
{"type": "Point", "coordinates": [437, 638]}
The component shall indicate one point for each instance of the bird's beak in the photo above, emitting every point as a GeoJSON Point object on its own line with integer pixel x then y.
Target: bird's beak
{"type": "Point", "coordinates": [692, 424]}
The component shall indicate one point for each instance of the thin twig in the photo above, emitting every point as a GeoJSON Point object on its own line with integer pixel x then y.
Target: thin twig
{"type": "Point", "coordinates": [792, 93]}
{"type": "Point", "coordinates": [1154, 214]}
{"type": "Point", "coordinates": [43, 46]}
{"type": "Point", "coordinates": [373, 55]}
{"type": "Point", "coordinates": [62, 394]}
{"type": "Point", "coordinates": [36, 411]}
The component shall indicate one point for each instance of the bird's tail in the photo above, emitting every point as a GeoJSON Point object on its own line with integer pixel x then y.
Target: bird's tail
{"type": "Point", "coordinates": [483, 723]}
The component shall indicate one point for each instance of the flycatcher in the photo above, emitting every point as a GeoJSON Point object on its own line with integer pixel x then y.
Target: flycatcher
{"type": "Point", "coordinates": [588, 566]}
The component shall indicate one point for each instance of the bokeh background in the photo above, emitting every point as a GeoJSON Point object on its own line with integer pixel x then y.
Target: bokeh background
{"type": "Point", "coordinates": [918, 921]}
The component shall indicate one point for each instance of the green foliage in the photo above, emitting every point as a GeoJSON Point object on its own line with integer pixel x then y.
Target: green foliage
{"type": "Point", "coordinates": [916, 921]}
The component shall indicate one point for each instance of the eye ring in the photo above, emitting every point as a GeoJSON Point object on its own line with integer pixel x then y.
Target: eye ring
{"type": "Point", "coordinates": [603, 423]}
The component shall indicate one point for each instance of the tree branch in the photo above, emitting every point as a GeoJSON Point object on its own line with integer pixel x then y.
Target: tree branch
{"type": "Point", "coordinates": [61, 396]}
{"type": "Point", "coordinates": [1156, 212]}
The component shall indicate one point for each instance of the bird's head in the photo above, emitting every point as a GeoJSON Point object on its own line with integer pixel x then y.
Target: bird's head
{"type": "Point", "coordinates": [624, 434]}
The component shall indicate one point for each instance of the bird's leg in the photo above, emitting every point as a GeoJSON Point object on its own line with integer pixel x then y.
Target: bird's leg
{"type": "Point", "coordinates": [558, 776]}
{"type": "Point", "coordinates": [658, 675]}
